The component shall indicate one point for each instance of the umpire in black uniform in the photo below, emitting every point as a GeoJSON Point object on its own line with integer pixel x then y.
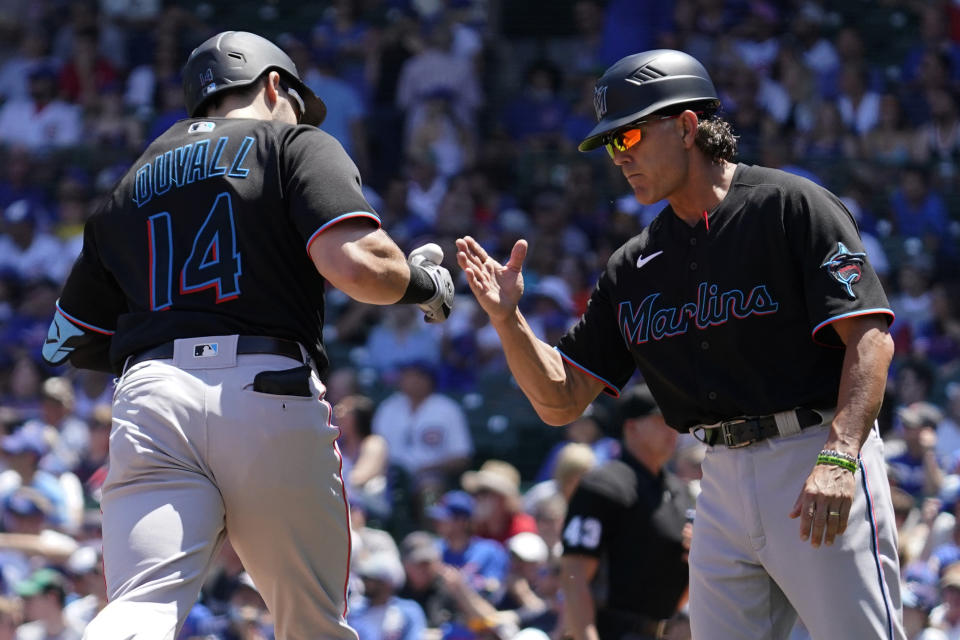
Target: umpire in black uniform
{"type": "Point", "coordinates": [624, 559]}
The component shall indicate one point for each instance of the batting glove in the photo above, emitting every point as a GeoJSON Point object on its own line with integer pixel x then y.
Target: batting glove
{"type": "Point", "coordinates": [428, 257]}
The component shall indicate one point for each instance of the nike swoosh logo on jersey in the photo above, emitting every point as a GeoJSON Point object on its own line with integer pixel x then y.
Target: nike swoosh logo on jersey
{"type": "Point", "coordinates": [642, 261]}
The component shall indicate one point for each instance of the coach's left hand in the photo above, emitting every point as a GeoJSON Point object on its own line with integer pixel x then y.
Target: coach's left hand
{"type": "Point", "coordinates": [823, 505]}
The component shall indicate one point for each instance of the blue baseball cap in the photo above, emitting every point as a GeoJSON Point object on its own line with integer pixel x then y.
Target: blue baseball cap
{"type": "Point", "coordinates": [452, 504]}
{"type": "Point", "coordinates": [27, 501]}
{"type": "Point", "coordinates": [25, 439]}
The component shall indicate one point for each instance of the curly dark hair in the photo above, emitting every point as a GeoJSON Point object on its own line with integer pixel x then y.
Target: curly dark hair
{"type": "Point", "coordinates": [715, 138]}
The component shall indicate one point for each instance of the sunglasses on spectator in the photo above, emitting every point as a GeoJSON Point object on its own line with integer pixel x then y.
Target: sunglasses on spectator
{"type": "Point", "coordinates": [627, 138]}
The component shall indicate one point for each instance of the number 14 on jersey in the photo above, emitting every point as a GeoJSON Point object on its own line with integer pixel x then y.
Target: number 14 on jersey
{"type": "Point", "coordinates": [214, 259]}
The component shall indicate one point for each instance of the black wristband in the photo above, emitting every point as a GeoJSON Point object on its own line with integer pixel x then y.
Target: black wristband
{"type": "Point", "coordinates": [420, 288]}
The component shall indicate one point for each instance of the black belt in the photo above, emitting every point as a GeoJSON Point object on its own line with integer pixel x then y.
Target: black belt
{"type": "Point", "coordinates": [245, 345]}
{"type": "Point", "coordinates": [741, 432]}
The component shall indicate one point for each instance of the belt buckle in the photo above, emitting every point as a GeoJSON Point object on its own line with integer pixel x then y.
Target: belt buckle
{"type": "Point", "coordinates": [728, 437]}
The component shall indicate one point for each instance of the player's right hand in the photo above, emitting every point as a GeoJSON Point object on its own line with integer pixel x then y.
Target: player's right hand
{"type": "Point", "coordinates": [429, 257]}
{"type": "Point", "coordinates": [497, 287]}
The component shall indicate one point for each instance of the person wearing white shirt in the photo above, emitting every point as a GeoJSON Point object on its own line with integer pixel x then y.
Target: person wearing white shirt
{"type": "Point", "coordinates": [426, 432]}
{"type": "Point", "coordinates": [41, 121]}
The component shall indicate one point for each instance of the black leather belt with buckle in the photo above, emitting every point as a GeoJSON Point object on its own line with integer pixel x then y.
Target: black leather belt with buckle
{"type": "Point", "coordinates": [741, 432]}
{"type": "Point", "coordinates": [245, 345]}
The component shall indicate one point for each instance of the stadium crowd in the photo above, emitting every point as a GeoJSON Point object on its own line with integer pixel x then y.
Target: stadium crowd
{"type": "Point", "coordinates": [463, 117]}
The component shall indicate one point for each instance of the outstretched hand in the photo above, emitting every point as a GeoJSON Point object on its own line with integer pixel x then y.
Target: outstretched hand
{"type": "Point", "coordinates": [497, 287]}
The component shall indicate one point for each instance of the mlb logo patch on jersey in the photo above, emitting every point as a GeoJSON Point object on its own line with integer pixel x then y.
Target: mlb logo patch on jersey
{"type": "Point", "coordinates": [201, 127]}
{"type": "Point", "coordinates": [207, 350]}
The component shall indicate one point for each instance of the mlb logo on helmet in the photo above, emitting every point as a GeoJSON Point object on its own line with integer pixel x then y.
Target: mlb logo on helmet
{"type": "Point", "coordinates": [206, 77]}
{"type": "Point", "coordinates": [600, 101]}
{"type": "Point", "coordinates": [206, 350]}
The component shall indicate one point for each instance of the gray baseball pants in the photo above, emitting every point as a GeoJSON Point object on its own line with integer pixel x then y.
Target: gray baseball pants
{"type": "Point", "coordinates": [751, 574]}
{"type": "Point", "coordinates": [195, 455]}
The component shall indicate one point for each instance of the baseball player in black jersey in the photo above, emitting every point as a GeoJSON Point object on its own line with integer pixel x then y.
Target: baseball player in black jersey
{"type": "Point", "coordinates": [752, 311]}
{"type": "Point", "coordinates": [626, 519]}
{"type": "Point", "coordinates": [201, 283]}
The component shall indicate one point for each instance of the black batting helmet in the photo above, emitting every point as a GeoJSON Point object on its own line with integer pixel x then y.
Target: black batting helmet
{"type": "Point", "coordinates": [644, 83]}
{"type": "Point", "coordinates": [236, 59]}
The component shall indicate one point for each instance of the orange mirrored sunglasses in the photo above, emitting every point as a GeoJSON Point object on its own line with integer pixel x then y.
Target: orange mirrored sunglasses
{"type": "Point", "coordinates": [630, 137]}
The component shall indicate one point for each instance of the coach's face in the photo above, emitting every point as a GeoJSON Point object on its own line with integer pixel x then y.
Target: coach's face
{"type": "Point", "coordinates": [656, 167]}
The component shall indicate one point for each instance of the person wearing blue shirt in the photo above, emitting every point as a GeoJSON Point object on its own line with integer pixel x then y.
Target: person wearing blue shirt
{"type": "Point", "coordinates": [484, 563]}
{"type": "Point", "coordinates": [381, 615]}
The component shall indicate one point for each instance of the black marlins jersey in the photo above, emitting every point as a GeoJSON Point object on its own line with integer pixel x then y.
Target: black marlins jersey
{"type": "Point", "coordinates": [208, 234]}
{"type": "Point", "coordinates": [632, 522]}
{"type": "Point", "coordinates": [732, 317]}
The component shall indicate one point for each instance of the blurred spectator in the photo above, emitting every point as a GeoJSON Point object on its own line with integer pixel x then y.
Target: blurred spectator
{"type": "Point", "coordinates": [913, 381]}
{"type": "Point", "coordinates": [829, 141]}
{"type": "Point", "coordinates": [91, 388]}
{"type": "Point", "coordinates": [890, 142]}
{"type": "Point", "coordinates": [144, 82]}
{"type": "Point", "coordinates": [364, 455]}
{"type": "Point", "coordinates": [247, 616]}
{"type": "Point", "coordinates": [69, 434]}
{"type": "Point", "coordinates": [918, 601]}
{"type": "Point", "coordinates": [437, 68]}
{"type": "Point", "coordinates": [628, 514]}
{"type": "Point", "coordinates": [26, 249]}
{"type": "Point", "coordinates": [85, 568]}
{"type": "Point", "coordinates": [400, 334]}
{"type": "Point", "coordinates": [946, 616]}
{"type": "Point", "coordinates": [85, 17]}
{"type": "Point", "coordinates": [630, 26]}
{"type": "Point", "coordinates": [918, 209]}
{"type": "Point", "coordinates": [917, 470]}
{"type": "Point", "coordinates": [549, 308]}
{"type": "Point", "coordinates": [938, 339]}
{"type": "Point", "coordinates": [426, 431]}
{"type": "Point", "coordinates": [572, 461]}
{"type": "Point", "coordinates": [19, 178]}
{"type": "Point", "coordinates": [15, 72]}
{"type": "Point", "coordinates": [529, 564]}
{"type": "Point", "coordinates": [381, 615]}
{"type": "Point", "coordinates": [345, 109]}
{"type": "Point", "coordinates": [86, 73]}
{"type": "Point", "coordinates": [483, 563]}
{"type": "Point", "coordinates": [422, 563]}
{"type": "Point", "coordinates": [109, 124]}
{"type": "Point", "coordinates": [549, 515]}
{"type": "Point", "coordinates": [28, 539]}
{"type": "Point", "coordinates": [535, 115]}
{"type": "Point", "coordinates": [40, 121]}
{"type": "Point", "coordinates": [22, 451]}
{"type": "Point", "coordinates": [859, 105]}
{"type": "Point", "coordinates": [436, 132]}
{"type": "Point", "coordinates": [425, 188]}
{"type": "Point", "coordinates": [44, 595]}
{"type": "Point", "coordinates": [97, 453]}
{"type": "Point", "coordinates": [496, 490]}
{"type": "Point", "coordinates": [588, 429]}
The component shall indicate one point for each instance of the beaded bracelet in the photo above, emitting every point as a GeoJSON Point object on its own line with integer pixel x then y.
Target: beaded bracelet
{"type": "Point", "coordinates": [836, 458]}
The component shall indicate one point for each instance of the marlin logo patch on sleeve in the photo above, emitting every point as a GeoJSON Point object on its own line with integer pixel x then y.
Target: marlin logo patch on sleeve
{"type": "Point", "coordinates": [846, 267]}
